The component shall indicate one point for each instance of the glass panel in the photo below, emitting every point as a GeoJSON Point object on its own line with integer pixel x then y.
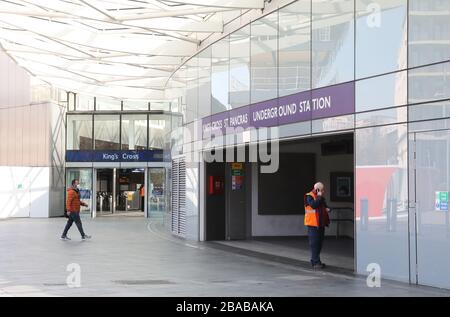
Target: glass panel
{"type": "Point", "coordinates": [192, 90]}
{"type": "Point", "coordinates": [429, 32]}
{"type": "Point", "coordinates": [433, 225]}
{"type": "Point", "coordinates": [332, 42]}
{"type": "Point", "coordinates": [429, 83]}
{"type": "Point", "coordinates": [130, 191]}
{"type": "Point", "coordinates": [84, 175]}
{"type": "Point", "coordinates": [85, 103]}
{"type": "Point", "coordinates": [104, 191]}
{"type": "Point", "coordinates": [62, 97]}
{"type": "Point", "coordinates": [108, 104]}
{"type": "Point", "coordinates": [161, 105]}
{"type": "Point", "coordinates": [387, 116]}
{"type": "Point", "coordinates": [107, 132]}
{"type": "Point", "coordinates": [333, 124]}
{"type": "Point", "coordinates": [71, 101]}
{"type": "Point", "coordinates": [157, 192]}
{"type": "Point", "coordinates": [176, 134]}
{"type": "Point", "coordinates": [220, 76]}
{"type": "Point", "coordinates": [381, 34]}
{"type": "Point", "coordinates": [175, 105]}
{"type": "Point", "coordinates": [429, 125]}
{"type": "Point", "coordinates": [134, 132]}
{"type": "Point", "coordinates": [381, 92]}
{"type": "Point", "coordinates": [240, 68]}
{"type": "Point", "coordinates": [79, 132]}
{"type": "Point", "coordinates": [204, 82]}
{"type": "Point", "coordinates": [264, 58]}
{"type": "Point", "coordinates": [135, 105]}
{"type": "Point", "coordinates": [159, 132]}
{"type": "Point", "coordinates": [295, 48]}
{"type": "Point", "coordinates": [382, 200]}
{"type": "Point", "coordinates": [181, 78]}
{"type": "Point", "coordinates": [430, 111]}
{"type": "Point", "coordinates": [294, 129]}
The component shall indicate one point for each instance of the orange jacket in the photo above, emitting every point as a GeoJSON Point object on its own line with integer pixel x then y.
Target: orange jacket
{"type": "Point", "coordinates": [142, 191]}
{"type": "Point", "coordinates": [315, 217]}
{"type": "Point", "coordinates": [73, 201]}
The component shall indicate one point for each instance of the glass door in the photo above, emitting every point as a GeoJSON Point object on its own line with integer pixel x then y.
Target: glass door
{"type": "Point", "coordinates": [104, 191]}
{"type": "Point", "coordinates": [157, 188]}
{"type": "Point", "coordinates": [84, 175]}
{"type": "Point", "coordinates": [432, 186]}
{"type": "Point", "coordinates": [130, 191]}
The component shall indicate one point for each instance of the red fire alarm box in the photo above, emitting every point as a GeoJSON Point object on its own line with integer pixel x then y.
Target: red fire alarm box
{"type": "Point", "coordinates": [215, 185]}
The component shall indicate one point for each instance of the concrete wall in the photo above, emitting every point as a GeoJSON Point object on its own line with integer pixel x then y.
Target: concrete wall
{"type": "Point", "coordinates": [24, 192]}
{"type": "Point", "coordinates": [292, 225]}
{"type": "Point", "coordinates": [14, 83]}
{"type": "Point", "coordinates": [31, 150]}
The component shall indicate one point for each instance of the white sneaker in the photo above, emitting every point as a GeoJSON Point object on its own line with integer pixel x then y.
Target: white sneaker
{"type": "Point", "coordinates": [65, 239]}
{"type": "Point", "coordinates": [86, 237]}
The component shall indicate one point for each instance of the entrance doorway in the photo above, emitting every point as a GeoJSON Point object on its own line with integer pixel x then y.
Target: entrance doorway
{"type": "Point", "coordinates": [104, 192]}
{"type": "Point", "coordinates": [130, 196]}
{"type": "Point", "coordinates": [260, 212]}
{"type": "Point", "coordinates": [120, 192]}
{"type": "Point", "coordinates": [134, 191]}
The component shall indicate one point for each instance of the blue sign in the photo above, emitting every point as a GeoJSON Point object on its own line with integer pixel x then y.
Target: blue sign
{"type": "Point", "coordinates": [85, 194]}
{"type": "Point", "coordinates": [117, 156]}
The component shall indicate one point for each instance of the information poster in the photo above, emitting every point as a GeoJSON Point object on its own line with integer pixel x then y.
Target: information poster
{"type": "Point", "coordinates": [441, 201]}
{"type": "Point", "coordinates": [237, 176]}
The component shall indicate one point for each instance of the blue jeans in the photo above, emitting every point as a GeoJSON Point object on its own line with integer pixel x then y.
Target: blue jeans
{"type": "Point", "coordinates": [316, 236]}
{"type": "Point", "coordinates": [74, 217]}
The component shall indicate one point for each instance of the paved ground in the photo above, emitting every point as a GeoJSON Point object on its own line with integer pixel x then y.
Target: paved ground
{"type": "Point", "coordinates": [131, 257]}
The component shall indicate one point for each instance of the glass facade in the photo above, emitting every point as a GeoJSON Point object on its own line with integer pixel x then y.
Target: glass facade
{"type": "Point", "coordinates": [134, 132]}
{"type": "Point", "coordinates": [429, 32]}
{"type": "Point", "coordinates": [159, 132]}
{"type": "Point", "coordinates": [220, 83]}
{"type": "Point", "coordinates": [294, 48]}
{"type": "Point", "coordinates": [240, 68]}
{"type": "Point", "coordinates": [79, 132]}
{"type": "Point", "coordinates": [381, 37]}
{"type": "Point", "coordinates": [122, 132]}
{"type": "Point", "coordinates": [332, 42]}
{"type": "Point", "coordinates": [264, 58]}
{"type": "Point", "coordinates": [106, 132]}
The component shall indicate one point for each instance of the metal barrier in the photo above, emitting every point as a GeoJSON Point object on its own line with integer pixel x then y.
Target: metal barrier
{"type": "Point", "coordinates": [339, 220]}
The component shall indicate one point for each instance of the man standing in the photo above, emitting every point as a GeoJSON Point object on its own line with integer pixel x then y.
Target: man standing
{"type": "Point", "coordinates": [73, 204]}
{"type": "Point", "coordinates": [316, 219]}
{"type": "Point", "coordinates": [142, 194]}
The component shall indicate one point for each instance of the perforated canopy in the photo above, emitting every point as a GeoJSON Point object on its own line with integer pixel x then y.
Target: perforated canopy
{"type": "Point", "coordinates": [124, 49]}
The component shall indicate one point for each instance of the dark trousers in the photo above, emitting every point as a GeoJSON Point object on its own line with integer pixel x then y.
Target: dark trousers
{"type": "Point", "coordinates": [142, 203]}
{"type": "Point", "coordinates": [316, 236]}
{"type": "Point", "coordinates": [74, 217]}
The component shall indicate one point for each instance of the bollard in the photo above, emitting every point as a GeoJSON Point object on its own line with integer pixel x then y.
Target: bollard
{"type": "Point", "coordinates": [364, 214]}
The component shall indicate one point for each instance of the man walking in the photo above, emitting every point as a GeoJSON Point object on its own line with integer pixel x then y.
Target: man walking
{"type": "Point", "coordinates": [73, 204]}
{"type": "Point", "coordinates": [316, 219]}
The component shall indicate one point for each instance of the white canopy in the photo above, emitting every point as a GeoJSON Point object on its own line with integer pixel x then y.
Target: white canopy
{"type": "Point", "coordinates": [124, 49]}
